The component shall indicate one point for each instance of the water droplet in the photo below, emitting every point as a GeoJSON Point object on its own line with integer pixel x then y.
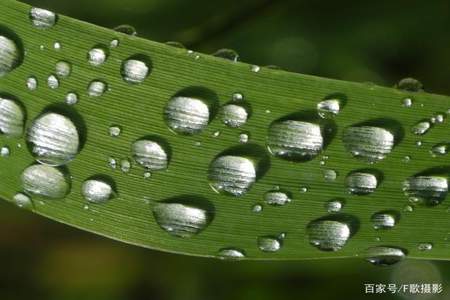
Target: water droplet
{"type": "Point", "coordinates": [114, 43]}
{"type": "Point", "coordinates": [4, 151]}
{"type": "Point", "coordinates": [237, 97]}
{"type": "Point", "coordinates": [410, 85]}
{"type": "Point", "coordinates": [71, 98]}
{"type": "Point", "coordinates": [150, 154]}
{"type": "Point", "coordinates": [421, 128]}
{"type": "Point", "coordinates": [126, 29]}
{"type": "Point", "coordinates": [268, 244]}
{"type": "Point", "coordinates": [243, 138]}
{"type": "Point", "coordinates": [147, 175]}
{"type": "Point", "coordinates": [53, 82]}
{"type": "Point", "coordinates": [187, 115]}
{"type": "Point", "coordinates": [295, 140]}
{"type": "Point", "coordinates": [125, 165]}
{"type": "Point", "coordinates": [440, 149]}
{"type": "Point", "coordinates": [384, 255]}
{"type": "Point", "coordinates": [419, 143]}
{"type": "Point", "coordinates": [231, 254]}
{"type": "Point", "coordinates": [257, 208]}
{"type": "Point", "coordinates": [328, 108]}
{"type": "Point", "coordinates": [96, 88]}
{"type": "Point", "coordinates": [361, 183]}
{"type": "Point", "coordinates": [439, 118]}
{"type": "Point", "coordinates": [12, 118]}
{"type": "Point", "coordinates": [303, 189]}
{"type": "Point", "coordinates": [41, 18]}
{"type": "Point", "coordinates": [408, 208]}
{"type": "Point", "coordinates": [114, 130]}
{"type": "Point", "coordinates": [57, 46]}
{"type": "Point", "coordinates": [175, 44]}
{"type": "Point", "coordinates": [368, 142]}
{"type": "Point", "coordinates": [112, 163]}
{"type": "Point", "coordinates": [216, 133]}
{"type": "Point", "coordinates": [182, 219]}
{"type": "Point", "coordinates": [53, 139]}
{"type": "Point", "coordinates": [329, 234]}
{"type": "Point", "coordinates": [407, 102]}
{"type": "Point", "coordinates": [329, 175]}
{"type": "Point", "coordinates": [23, 201]}
{"type": "Point", "coordinates": [32, 83]}
{"type": "Point", "coordinates": [97, 56]}
{"type": "Point", "coordinates": [334, 205]}
{"type": "Point", "coordinates": [45, 181]}
{"type": "Point", "coordinates": [10, 55]}
{"type": "Point", "coordinates": [134, 70]}
{"type": "Point", "coordinates": [429, 190]}
{"type": "Point", "coordinates": [227, 54]}
{"type": "Point", "coordinates": [255, 68]}
{"type": "Point", "coordinates": [234, 115]}
{"type": "Point", "coordinates": [97, 190]}
{"type": "Point", "coordinates": [232, 174]}
{"type": "Point", "coordinates": [406, 159]}
{"type": "Point", "coordinates": [277, 197]}
{"type": "Point", "coordinates": [63, 69]}
{"type": "Point", "coordinates": [384, 219]}
{"type": "Point", "coordinates": [425, 246]}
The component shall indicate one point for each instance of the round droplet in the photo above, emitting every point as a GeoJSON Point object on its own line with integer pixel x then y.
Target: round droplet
{"type": "Point", "coordinates": [150, 154]}
{"type": "Point", "coordinates": [334, 206]}
{"type": "Point", "coordinates": [368, 142]}
{"type": "Point", "coordinates": [71, 98]}
{"type": "Point", "coordinates": [126, 29]}
{"type": "Point", "coordinates": [232, 174]}
{"type": "Point", "coordinates": [134, 71]}
{"type": "Point", "coordinates": [187, 115]}
{"type": "Point", "coordinates": [328, 234]}
{"type": "Point", "coordinates": [236, 97]}
{"type": "Point", "coordinates": [10, 55]}
{"type": "Point", "coordinates": [53, 139]}
{"type": "Point", "coordinates": [295, 140]}
{"type": "Point", "coordinates": [97, 190]}
{"type": "Point", "coordinates": [384, 219]}
{"type": "Point", "coordinates": [53, 82]}
{"type": "Point", "coordinates": [428, 190]}
{"type": "Point", "coordinates": [63, 69]}
{"type": "Point", "coordinates": [440, 149]}
{"type": "Point", "coordinates": [243, 138]}
{"type": "Point", "coordinates": [57, 46]}
{"type": "Point", "coordinates": [227, 54]}
{"type": "Point", "coordinates": [46, 181]}
{"type": "Point", "coordinates": [114, 130]}
{"type": "Point", "coordinates": [32, 83]}
{"type": "Point", "coordinates": [114, 43]}
{"type": "Point", "coordinates": [277, 198]}
{"type": "Point", "coordinates": [125, 165]}
{"type": "Point", "coordinates": [407, 102]}
{"type": "Point", "coordinates": [425, 246]}
{"type": "Point", "coordinates": [257, 208]}
{"type": "Point", "coordinates": [255, 68]}
{"type": "Point", "coordinates": [112, 163]}
{"type": "Point", "coordinates": [421, 128]}
{"type": "Point", "coordinates": [96, 88]}
{"type": "Point", "coordinates": [328, 108]}
{"type": "Point", "coordinates": [12, 118]}
{"type": "Point", "coordinates": [234, 115]}
{"type": "Point", "coordinates": [23, 201]}
{"type": "Point", "coordinates": [41, 18]}
{"type": "Point", "coordinates": [268, 244]}
{"type": "Point", "coordinates": [231, 254]}
{"type": "Point", "coordinates": [97, 56]}
{"type": "Point", "coordinates": [361, 183]}
{"type": "Point", "coordinates": [384, 255]}
{"type": "Point", "coordinates": [329, 175]}
{"type": "Point", "coordinates": [180, 219]}
{"type": "Point", "coordinates": [4, 151]}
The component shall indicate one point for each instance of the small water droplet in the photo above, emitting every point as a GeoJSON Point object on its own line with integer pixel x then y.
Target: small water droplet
{"type": "Point", "coordinates": [71, 98]}
{"type": "Point", "coordinates": [150, 154]}
{"type": "Point", "coordinates": [12, 118]}
{"type": "Point", "coordinates": [329, 175]}
{"type": "Point", "coordinates": [440, 149]}
{"type": "Point", "coordinates": [257, 208]}
{"type": "Point", "coordinates": [126, 29]}
{"type": "Point", "coordinates": [227, 54]}
{"type": "Point", "coordinates": [334, 205]}
{"type": "Point", "coordinates": [53, 139]}
{"type": "Point", "coordinates": [32, 83]}
{"type": "Point", "coordinates": [384, 219]}
{"type": "Point", "coordinates": [243, 138]}
{"type": "Point", "coordinates": [303, 189]}
{"type": "Point", "coordinates": [237, 97]}
{"type": "Point", "coordinates": [406, 159]}
{"type": "Point", "coordinates": [361, 183]}
{"type": "Point", "coordinates": [112, 163]}
{"type": "Point", "coordinates": [216, 133]}
{"type": "Point", "coordinates": [419, 143]}
{"type": "Point", "coordinates": [268, 244]}
{"type": "Point", "coordinates": [57, 46]}
{"type": "Point", "coordinates": [277, 197]}
{"type": "Point", "coordinates": [187, 115]}
{"type": "Point", "coordinates": [328, 108]}
{"type": "Point", "coordinates": [63, 69]}
{"type": "Point", "coordinates": [45, 181]}
{"type": "Point", "coordinates": [410, 85]}
{"type": "Point", "coordinates": [407, 102]}
{"type": "Point", "coordinates": [134, 70]}
{"type": "Point", "coordinates": [429, 190]}
{"type": "Point", "coordinates": [41, 18]}
{"type": "Point", "coordinates": [384, 255]}
{"type": "Point", "coordinates": [97, 56]}
{"type": "Point", "coordinates": [425, 246]}
{"type": "Point", "coordinates": [114, 131]}
{"type": "Point", "coordinates": [175, 44]}
{"type": "Point", "coordinates": [4, 151]}
{"type": "Point", "coordinates": [53, 81]}
{"type": "Point", "coordinates": [147, 175]}
{"type": "Point", "coordinates": [97, 190]}
{"type": "Point", "coordinates": [125, 165]}
{"type": "Point", "coordinates": [231, 254]}
{"type": "Point", "coordinates": [329, 234]}
{"type": "Point", "coordinates": [10, 55]}
{"type": "Point", "coordinates": [182, 219]}
{"type": "Point", "coordinates": [234, 115]}
{"type": "Point", "coordinates": [439, 118]}
{"type": "Point", "coordinates": [96, 88]}
{"type": "Point", "coordinates": [232, 174]}
{"type": "Point", "coordinates": [421, 128]}
{"type": "Point", "coordinates": [255, 68]}
{"type": "Point", "coordinates": [114, 43]}
{"type": "Point", "coordinates": [408, 208]}
{"type": "Point", "coordinates": [23, 201]}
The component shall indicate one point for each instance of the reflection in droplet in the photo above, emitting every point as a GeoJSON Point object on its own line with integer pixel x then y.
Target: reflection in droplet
{"type": "Point", "coordinates": [46, 181]}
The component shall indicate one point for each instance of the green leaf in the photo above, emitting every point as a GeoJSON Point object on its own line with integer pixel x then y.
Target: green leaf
{"type": "Point", "coordinates": [230, 222]}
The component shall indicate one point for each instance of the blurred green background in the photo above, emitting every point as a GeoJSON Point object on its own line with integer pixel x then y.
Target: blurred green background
{"type": "Point", "coordinates": [365, 41]}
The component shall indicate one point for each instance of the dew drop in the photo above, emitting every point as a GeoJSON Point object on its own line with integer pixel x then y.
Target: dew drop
{"type": "Point", "coordinates": [57, 46]}
{"type": "Point", "coordinates": [63, 69]}
{"type": "Point", "coordinates": [384, 255]}
{"type": "Point", "coordinates": [125, 165]}
{"type": "Point", "coordinates": [96, 88]}
{"type": "Point", "coordinates": [12, 118]}
{"type": "Point", "coordinates": [32, 83]}
{"type": "Point", "coordinates": [114, 43]}
{"type": "Point", "coordinates": [23, 201]}
{"type": "Point", "coordinates": [150, 154]}
{"type": "Point", "coordinates": [440, 149]}
{"type": "Point", "coordinates": [175, 44]}
{"type": "Point", "coordinates": [361, 183]}
{"type": "Point", "coordinates": [384, 219]}
{"type": "Point", "coordinates": [257, 208]}
{"type": "Point", "coordinates": [334, 206]}
{"type": "Point", "coordinates": [114, 131]}
{"type": "Point", "coordinates": [429, 190]}
{"type": "Point", "coordinates": [425, 246]}
{"type": "Point", "coordinates": [234, 115]}
{"type": "Point", "coordinates": [41, 18]}
{"type": "Point", "coordinates": [243, 138]}
{"type": "Point", "coordinates": [295, 140]}
{"type": "Point", "coordinates": [410, 85]}
{"type": "Point", "coordinates": [10, 55]}
{"type": "Point", "coordinates": [237, 97]}
{"type": "Point", "coordinates": [277, 197]}
{"type": "Point", "coordinates": [407, 102]}
{"type": "Point", "coordinates": [255, 68]}
{"type": "Point", "coordinates": [268, 244]}
{"type": "Point", "coordinates": [421, 128]}
{"type": "Point", "coordinates": [126, 29]}
{"type": "Point", "coordinates": [112, 163]}
{"type": "Point", "coordinates": [227, 54]}
{"type": "Point", "coordinates": [328, 108]}
{"type": "Point", "coordinates": [187, 115]}
{"type": "Point", "coordinates": [134, 71]}
{"type": "Point", "coordinates": [53, 82]}
{"type": "Point", "coordinates": [329, 175]}
{"type": "Point", "coordinates": [53, 139]}
{"type": "Point", "coordinates": [328, 234]}
{"type": "Point", "coordinates": [4, 151]}
{"type": "Point", "coordinates": [97, 56]}
{"type": "Point", "coordinates": [232, 174]}
{"type": "Point", "coordinates": [97, 190]}
{"type": "Point", "coordinates": [71, 98]}
{"type": "Point", "coordinates": [46, 181]}
{"type": "Point", "coordinates": [231, 254]}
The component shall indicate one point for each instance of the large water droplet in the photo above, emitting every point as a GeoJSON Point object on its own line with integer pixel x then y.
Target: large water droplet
{"type": "Point", "coordinates": [135, 69]}
{"type": "Point", "coordinates": [268, 244]}
{"type": "Point", "coordinates": [10, 55]}
{"type": "Point", "coordinates": [328, 108]}
{"type": "Point", "coordinates": [428, 190]}
{"type": "Point", "coordinates": [384, 255]}
{"type": "Point", "coordinates": [227, 54]}
{"type": "Point", "coordinates": [150, 154]}
{"type": "Point", "coordinates": [96, 88]}
{"type": "Point", "coordinates": [97, 56]}
{"type": "Point", "coordinates": [295, 140]}
{"type": "Point", "coordinates": [410, 85]}
{"type": "Point", "coordinates": [97, 190]}
{"type": "Point", "coordinates": [232, 174]}
{"type": "Point", "coordinates": [53, 139]}
{"type": "Point", "coordinates": [234, 115]}
{"type": "Point", "coordinates": [41, 18]}
{"type": "Point", "coordinates": [12, 118]}
{"type": "Point", "coordinates": [63, 69]}
{"type": "Point", "coordinates": [368, 142]}
{"type": "Point", "coordinates": [231, 254]}
{"type": "Point", "coordinates": [187, 115]}
{"type": "Point", "coordinates": [384, 219]}
{"type": "Point", "coordinates": [183, 219]}
{"type": "Point", "coordinates": [277, 197]}
{"type": "Point", "coordinates": [46, 181]}
{"type": "Point", "coordinates": [330, 233]}
{"type": "Point", "coordinates": [361, 183]}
